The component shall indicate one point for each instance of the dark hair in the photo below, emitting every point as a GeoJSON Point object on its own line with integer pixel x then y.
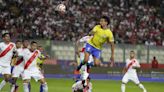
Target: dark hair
{"type": "Point", "coordinates": [3, 35]}
{"type": "Point", "coordinates": [106, 19]}
{"type": "Point", "coordinates": [24, 40]}
{"type": "Point", "coordinates": [33, 42]}
{"type": "Point", "coordinates": [18, 41]}
{"type": "Point", "coordinates": [89, 78]}
{"type": "Point", "coordinates": [132, 51]}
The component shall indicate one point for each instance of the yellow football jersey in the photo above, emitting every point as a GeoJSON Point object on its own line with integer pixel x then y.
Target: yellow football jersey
{"type": "Point", "coordinates": [100, 37]}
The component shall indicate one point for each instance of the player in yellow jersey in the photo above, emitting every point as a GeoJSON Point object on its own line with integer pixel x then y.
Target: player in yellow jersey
{"type": "Point", "coordinates": [42, 58]}
{"type": "Point", "coordinates": [101, 34]}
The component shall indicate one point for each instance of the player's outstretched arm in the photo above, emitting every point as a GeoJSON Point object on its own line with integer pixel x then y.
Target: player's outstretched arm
{"type": "Point", "coordinates": [112, 53]}
{"type": "Point", "coordinates": [124, 70]}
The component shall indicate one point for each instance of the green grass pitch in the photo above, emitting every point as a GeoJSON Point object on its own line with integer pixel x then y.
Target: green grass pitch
{"type": "Point", "coordinates": [64, 85]}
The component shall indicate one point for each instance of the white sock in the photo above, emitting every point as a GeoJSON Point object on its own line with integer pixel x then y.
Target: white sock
{"type": "Point", "coordinates": [122, 87]}
{"type": "Point", "coordinates": [3, 83]}
{"type": "Point", "coordinates": [13, 88]}
{"type": "Point", "coordinates": [142, 87]}
{"type": "Point", "coordinates": [45, 87]}
{"type": "Point", "coordinates": [26, 89]}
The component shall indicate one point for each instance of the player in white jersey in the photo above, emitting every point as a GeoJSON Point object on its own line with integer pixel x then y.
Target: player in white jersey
{"type": "Point", "coordinates": [84, 71]}
{"type": "Point", "coordinates": [7, 50]}
{"type": "Point", "coordinates": [79, 87]}
{"type": "Point", "coordinates": [80, 52]}
{"type": "Point", "coordinates": [130, 72]}
{"type": "Point", "coordinates": [18, 66]}
{"type": "Point", "coordinates": [31, 69]}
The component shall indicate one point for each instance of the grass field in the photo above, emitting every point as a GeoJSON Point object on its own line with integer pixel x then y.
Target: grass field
{"type": "Point", "coordinates": [64, 85]}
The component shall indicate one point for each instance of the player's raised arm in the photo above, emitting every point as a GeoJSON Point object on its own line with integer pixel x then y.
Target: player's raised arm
{"type": "Point", "coordinates": [111, 42]}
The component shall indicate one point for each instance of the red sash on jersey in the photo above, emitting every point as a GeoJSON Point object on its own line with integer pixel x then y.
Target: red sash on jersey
{"type": "Point", "coordinates": [31, 59]}
{"type": "Point", "coordinates": [3, 53]}
{"type": "Point", "coordinates": [19, 61]}
{"type": "Point", "coordinates": [82, 50]}
{"type": "Point", "coordinates": [130, 64]}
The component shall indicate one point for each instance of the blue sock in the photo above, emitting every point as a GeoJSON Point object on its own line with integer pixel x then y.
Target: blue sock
{"type": "Point", "coordinates": [29, 87]}
{"type": "Point", "coordinates": [12, 68]}
{"type": "Point", "coordinates": [41, 88]}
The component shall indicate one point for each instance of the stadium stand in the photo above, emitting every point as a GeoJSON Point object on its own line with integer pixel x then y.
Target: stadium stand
{"type": "Point", "coordinates": [132, 21]}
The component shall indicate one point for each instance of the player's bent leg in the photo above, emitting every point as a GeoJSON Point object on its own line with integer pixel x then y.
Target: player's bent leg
{"type": "Point", "coordinates": [96, 56]}
{"type": "Point", "coordinates": [125, 80]}
{"type": "Point", "coordinates": [96, 61]}
{"type": "Point", "coordinates": [6, 79]}
{"type": "Point", "coordinates": [137, 82]}
{"type": "Point", "coordinates": [25, 85]}
{"type": "Point", "coordinates": [141, 87]}
{"type": "Point", "coordinates": [43, 86]}
{"type": "Point", "coordinates": [86, 58]}
{"type": "Point", "coordinates": [123, 87]}
{"type": "Point", "coordinates": [14, 87]}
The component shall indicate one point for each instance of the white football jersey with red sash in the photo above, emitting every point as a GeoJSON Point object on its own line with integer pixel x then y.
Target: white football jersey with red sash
{"type": "Point", "coordinates": [30, 59]}
{"type": "Point", "coordinates": [20, 52]}
{"type": "Point", "coordinates": [131, 73]}
{"type": "Point", "coordinates": [6, 53]}
{"type": "Point", "coordinates": [130, 64]}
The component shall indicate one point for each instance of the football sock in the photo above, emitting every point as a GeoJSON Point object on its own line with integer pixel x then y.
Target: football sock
{"type": "Point", "coordinates": [142, 87]}
{"type": "Point", "coordinates": [79, 67]}
{"type": "Point", "coordinates": [14, 88]}
{"type": "Point", "coordinates": [44, 87]}
{"type": "Point", "coordinates": [26, 89]}
{"type": "Point", "coordinates": [122, 87]}
{"type": "Point", "coordinates": [2, 84]}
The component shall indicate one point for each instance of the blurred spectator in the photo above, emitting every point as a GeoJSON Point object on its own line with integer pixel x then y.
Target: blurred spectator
{"type": "Point", "coordinates": [132, 21]}
{"type": "Point", "coordinates": [154, 63]}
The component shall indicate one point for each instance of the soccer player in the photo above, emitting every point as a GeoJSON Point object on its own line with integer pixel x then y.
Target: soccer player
{"type": "Point", "coordinates": [80, 51]}
{"type": "Point", "coordinates": [7, 50]}
{"type": "Point", "coordinates": [41, 59]}
{"type": "Point", "coordinates": [130, 72]}
{"type": "Point", "coordinates": [79, 87]}
{"type": "Point", "coordinates": [25, 44]}
{"type": "Point", "coordinates": [18, 66]}
{"type": "Point", "coordinates": [31, 69]}
{"type": "Point", "coordinates": [101, 34]}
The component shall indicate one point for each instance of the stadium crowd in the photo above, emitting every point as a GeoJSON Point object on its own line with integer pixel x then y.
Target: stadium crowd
{"type": "Point", "coordinates": [132, 21]}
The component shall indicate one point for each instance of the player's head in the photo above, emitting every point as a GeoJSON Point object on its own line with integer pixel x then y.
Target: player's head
{"type": "Point", "coordinates": [34, 45]}
{"type": "Point", "coordinates": [89, 79]}
{"type": "Point", "coordinates": [104, 21]}
{"type": "Point", "coordinates": [40, 48]}
{"type": "Point", "coordinates": [18, 44]}
{"type": "Point", "coordinates": [6, 37]}
{"type": "Point", "coordinates": [132, 54]}
{"type": "Point", "coordinates": [25, 43]}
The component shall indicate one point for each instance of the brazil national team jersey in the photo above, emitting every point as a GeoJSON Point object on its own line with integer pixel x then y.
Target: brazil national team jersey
{"type": "Point", "coordinates": [100, 37]}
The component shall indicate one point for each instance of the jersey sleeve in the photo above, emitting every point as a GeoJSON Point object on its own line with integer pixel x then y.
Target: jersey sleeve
{"type": "Point", "coordinates": [84, 39]}
{"type": "Point", "coordinates": [94, 30]}
{"type": "Point", "coordinates": [110, 36]}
